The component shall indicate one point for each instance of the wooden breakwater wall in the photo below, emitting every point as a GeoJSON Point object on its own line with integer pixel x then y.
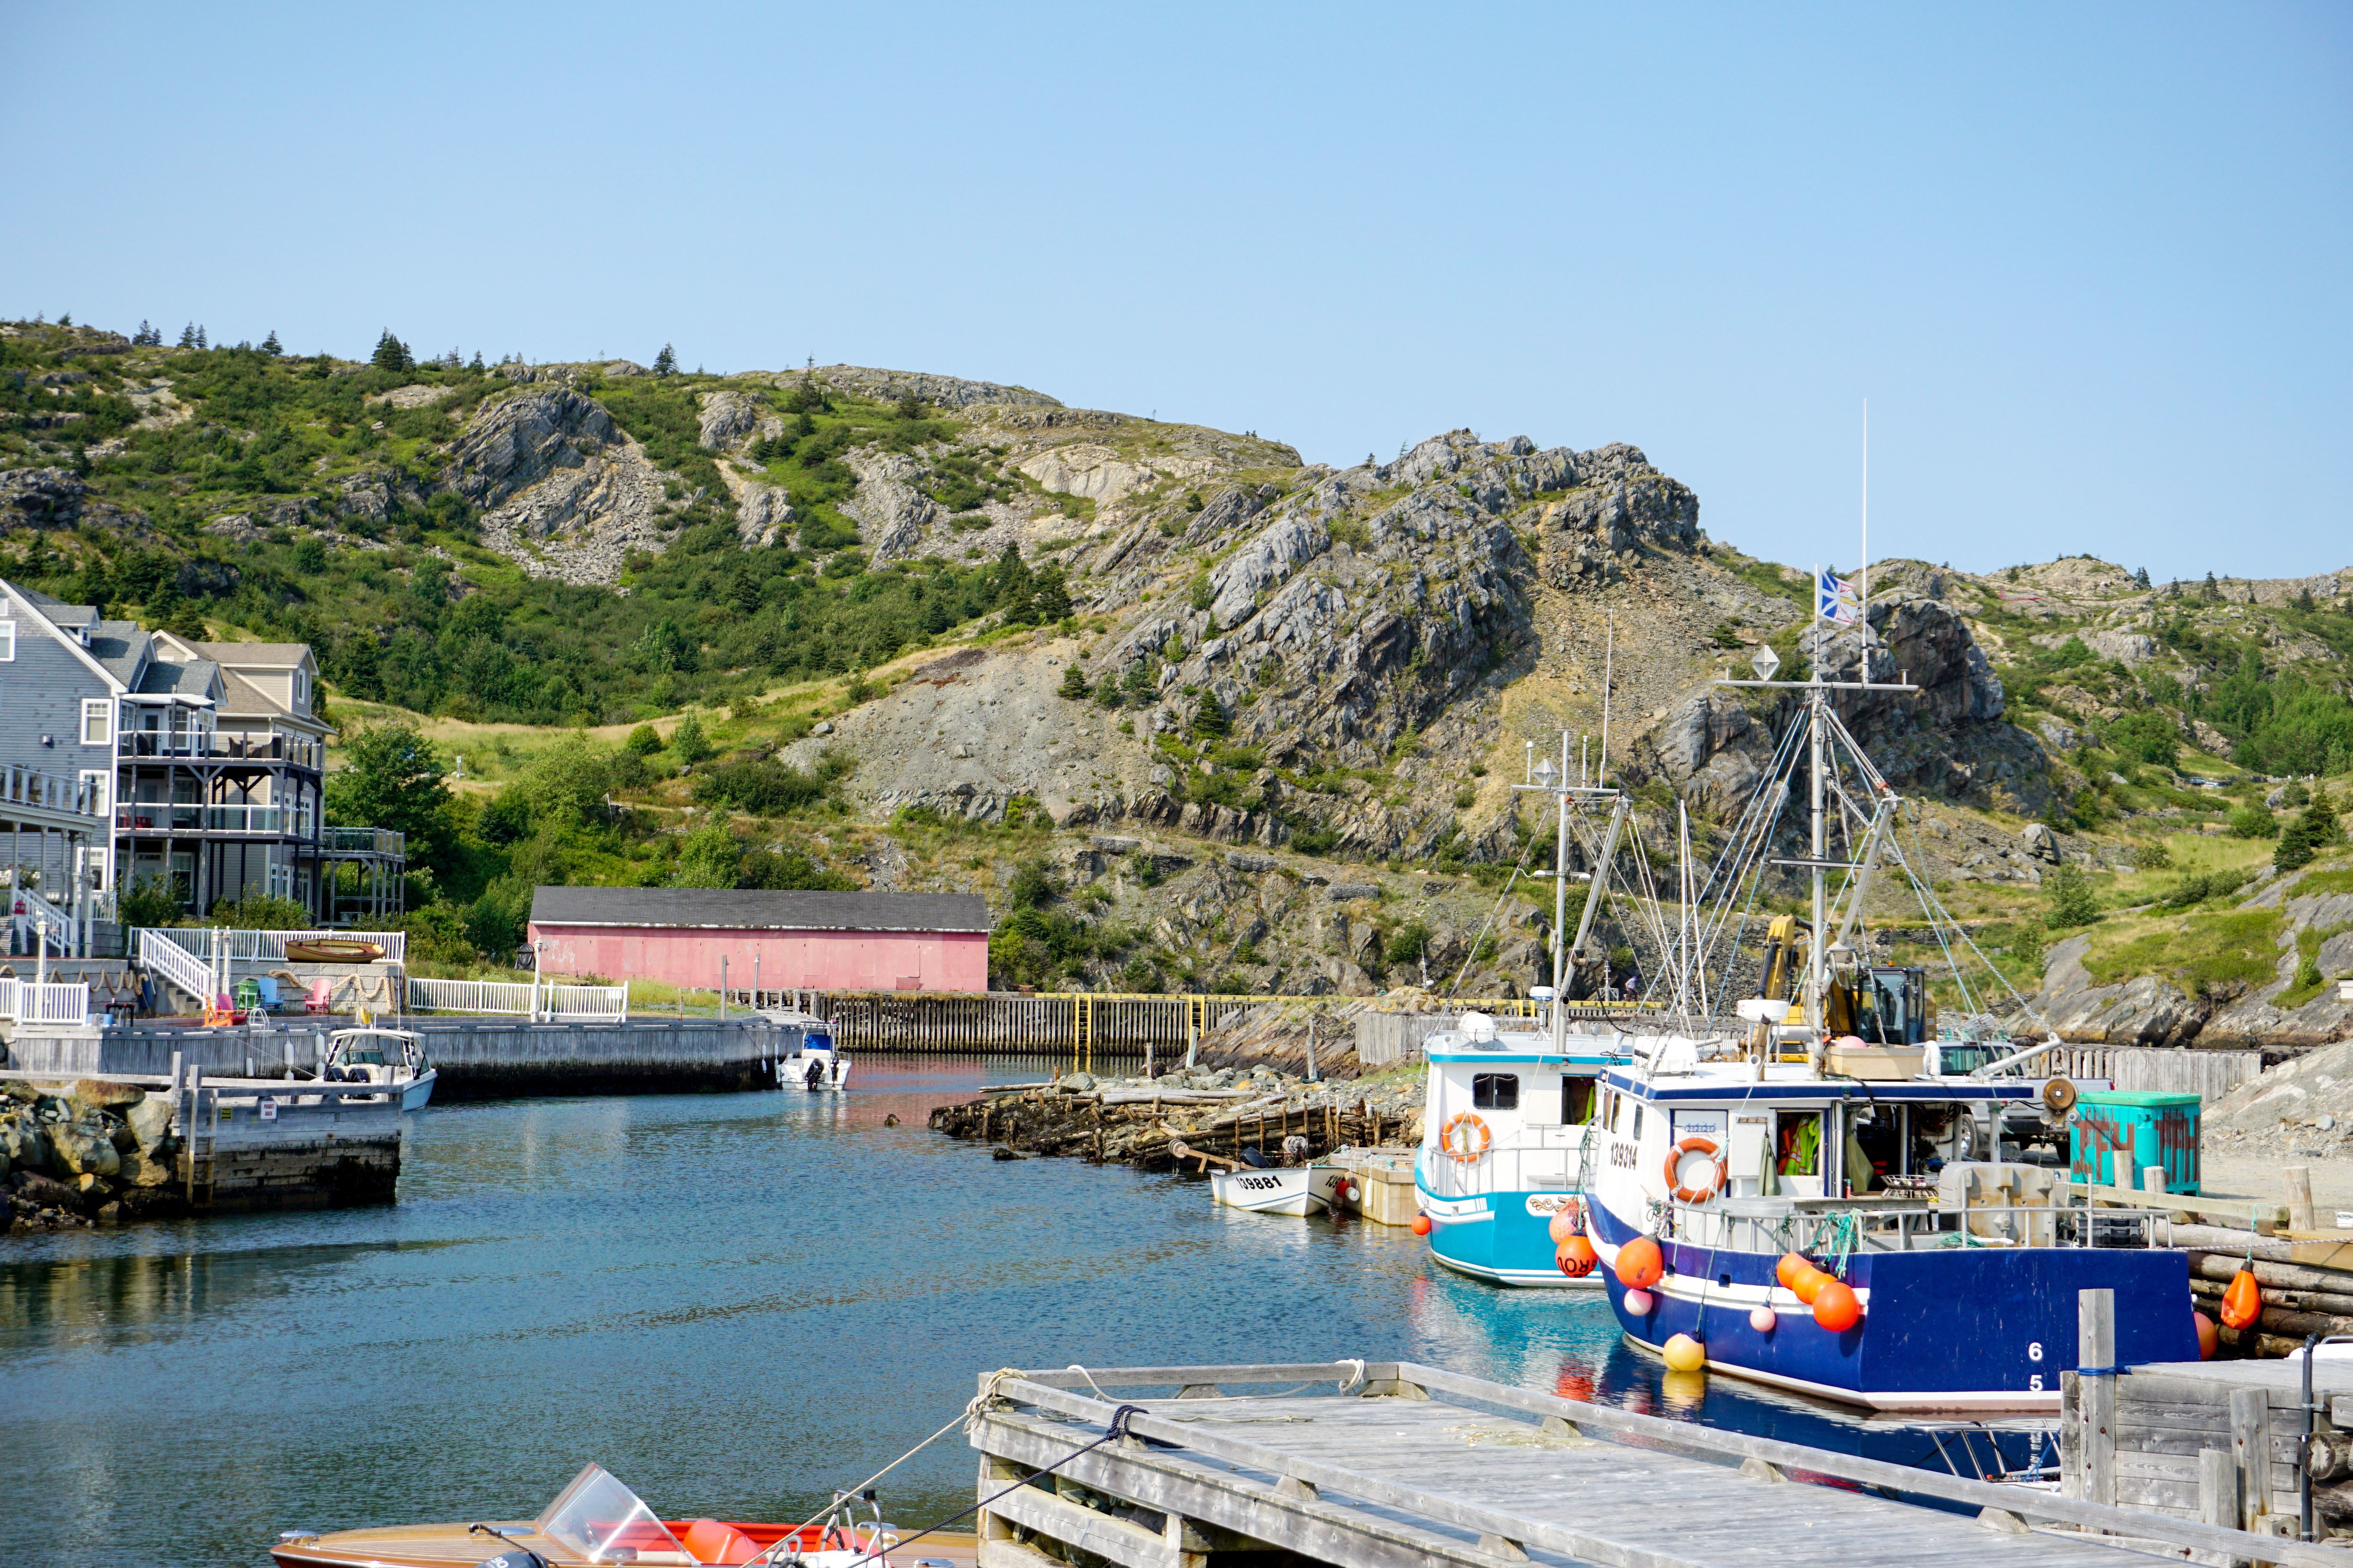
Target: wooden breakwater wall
{"type": "Point", "coordinates": [2154, 1070]}
{"type": "Point", "coordinates": [984, 1023]}
{"type": "Point", "coordinates": [478, 1059]}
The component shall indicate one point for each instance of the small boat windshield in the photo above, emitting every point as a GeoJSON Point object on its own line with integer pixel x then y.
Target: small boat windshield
{"type": "Point", "coordinates": [605, 1521]}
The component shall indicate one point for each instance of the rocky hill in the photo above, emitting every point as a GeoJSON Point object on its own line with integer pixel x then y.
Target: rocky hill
{"type": "Point", "coordinates": [1195, 712]}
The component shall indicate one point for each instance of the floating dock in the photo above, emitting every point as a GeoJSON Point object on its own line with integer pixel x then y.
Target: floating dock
{"type": "Point", "coordinates": [1391, 1464]}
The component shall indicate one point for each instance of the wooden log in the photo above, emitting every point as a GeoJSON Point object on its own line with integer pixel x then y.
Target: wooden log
{"type": "Point", "coordinates": [2219, 1266]}
{"type": "Point", "coordinates": [2251, 1452]}
{"type": "Point", "coordinates": [2298, 1181]}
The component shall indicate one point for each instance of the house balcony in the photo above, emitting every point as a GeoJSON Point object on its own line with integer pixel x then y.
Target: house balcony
{"type": "Point", "coordinates": [215, 746]}
{"type": "Point", "coordinates": [167, 817]}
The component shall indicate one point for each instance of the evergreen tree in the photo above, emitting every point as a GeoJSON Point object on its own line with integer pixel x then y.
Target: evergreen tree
{"type": "Point", "coordinates": [476, 366]}
{"type": "Point", "coordinates": [188, 336]}
{"type": "Point", "coordinates": [2072, 903]}
{"type": "Point", "coordinates": [65, 318]}
{"type": "Point", "coordinates": [2315, 828]}
{"type": "Point", "coordinates": [2212, 591]}
{"type": "Point", "coordinates": [1209, 720]}
{"type": "Point", "coordinates": [666, 362]}
{"type": "Point", "coordinates": [392, 354]}
{"type": "Point", "coordinates": [1052, 600]}
{"type": "Point", "coordinates": [200, 336]}
{"type": "Point", "coordinates": [2141, 578]}
{"type": "Point", "coordinates": [688, 744]}
{"type": "Point", "coordinates": [1074, 683]}
{"type": "Point", "coordinates": [146, 336]}
{"type": "Point", "coordinates": [271, 347]}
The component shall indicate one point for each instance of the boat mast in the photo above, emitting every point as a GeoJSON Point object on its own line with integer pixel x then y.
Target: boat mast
{"type": "Point", "coordinates": [1819, 845]}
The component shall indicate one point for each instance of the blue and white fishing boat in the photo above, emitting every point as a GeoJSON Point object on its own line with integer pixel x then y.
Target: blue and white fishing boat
{"type": "Point", "coordinates": [1506, 1115]}
{"type": "Point", "coordinates": [1794, 1189]}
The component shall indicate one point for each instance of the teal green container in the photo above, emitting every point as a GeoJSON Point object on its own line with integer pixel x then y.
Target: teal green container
{"type": "Point", "coordinates": [2118, 1133]}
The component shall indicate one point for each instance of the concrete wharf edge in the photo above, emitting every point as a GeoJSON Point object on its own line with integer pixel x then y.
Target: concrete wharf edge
{"type": "Point", "coordinates": [1387, 1481]}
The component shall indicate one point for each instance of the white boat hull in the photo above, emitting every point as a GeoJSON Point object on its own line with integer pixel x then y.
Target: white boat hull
{"type": "Point", "coordinates": [416, 1092]}
{"type": "Point", "coordinates": [1295, 1190]}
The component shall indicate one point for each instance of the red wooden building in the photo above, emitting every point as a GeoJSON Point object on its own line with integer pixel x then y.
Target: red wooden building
{"type": "Point", "coordinates": [780, 942]}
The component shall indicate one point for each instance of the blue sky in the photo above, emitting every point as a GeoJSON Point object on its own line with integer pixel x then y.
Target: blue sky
{"type": "Point", "coordinates": [2088, 263]}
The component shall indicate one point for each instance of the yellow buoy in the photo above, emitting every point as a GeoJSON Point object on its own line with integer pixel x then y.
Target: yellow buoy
{"type": "Point", "coordinates": [1685, 1353]}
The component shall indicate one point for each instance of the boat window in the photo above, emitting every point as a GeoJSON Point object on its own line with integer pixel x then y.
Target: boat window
{"type": "Point", "coordinates": [1495, 1091]}
{"type": "Point", "coordinates": [1797, 1142]}
{"type": "Point", "coordinates": [604, 1521]}
{"type": "Point", "coordinates": [1637, 1121]}
{"type": "Point", "coordinates": [1576, 1101]}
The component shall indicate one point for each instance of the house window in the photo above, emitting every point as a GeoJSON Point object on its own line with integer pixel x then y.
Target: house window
{"type": "Point", "coordinates": [8, 642]}
{"type": "Point", "coordinates": [98, 721]}
{"type": "Point", "coordinates": [1495, 1091]}
{"type": "Point", "coordinates": [301, 691]}
{"type": "Point", "coordinates": [100, 784]}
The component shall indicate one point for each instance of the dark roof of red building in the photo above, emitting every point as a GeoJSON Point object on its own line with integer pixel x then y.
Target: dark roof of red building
{"type": "Point", "coordinates": [740, 909]}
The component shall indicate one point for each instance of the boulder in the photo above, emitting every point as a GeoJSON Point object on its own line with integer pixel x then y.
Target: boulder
{"type": "Point", "coordinates": [1342, 892]}
{"type": "Point", "coordinates": [2040, 842]}
{"type": "Point", "coordinates": [82, 1150]}
{"type": "Point", "coordinates": [140, 1169]}
{"type": "Point", "coordinates": [151, 1121]}
{"type": "Point", "coordinates": [727, 417]}
{"type": "Point", "coordinates": [39, 497]}
{"type": "Point", "coordinates": [98, 1094]}
{"type": "Point", "coordinates": [27, 1146]}
{"type": "Point", "coordinates": [2128, 647]}
{"type": "Point", "coordinates": [46, 1190]}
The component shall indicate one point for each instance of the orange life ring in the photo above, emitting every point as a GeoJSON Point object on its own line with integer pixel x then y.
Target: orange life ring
{"type": "Point", "coordinates": [1714, 1183]}
{"type": "Point", "coordinates": [1466, 1152]}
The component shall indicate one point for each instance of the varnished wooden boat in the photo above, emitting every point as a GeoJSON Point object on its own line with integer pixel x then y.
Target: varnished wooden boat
{"type": "Point", "coordinates": [333, 949]}
{"type": "Point", "coordinates": [597, 1519]}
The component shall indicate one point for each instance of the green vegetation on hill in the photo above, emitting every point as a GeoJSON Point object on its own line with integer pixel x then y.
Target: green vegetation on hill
{"type": "Point", "coordinates": [405, 606]}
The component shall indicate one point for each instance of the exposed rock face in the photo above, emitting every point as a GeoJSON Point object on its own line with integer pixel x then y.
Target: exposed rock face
{"type": "Point", "coordinates": [1946, 740]}
{"type": "Point", "coordinates": [942, 391]}
{"type": "Point", "coordinates": [2132, 648]}
{"type": "Point", "coordinates": [2143, 1011]}
{"type": "Point", "coordinates": [567, 493]}
{"type": "Point", "coordinates": [890, 511]}
{"type": "Point", "coordinates": [41, 497]}
{"type": "Point", "coordinates": [763, 515]}
{"type": "Point", "coordinates": [1099, 473]}
{"type": "Point", "coordinates": [727, 417]}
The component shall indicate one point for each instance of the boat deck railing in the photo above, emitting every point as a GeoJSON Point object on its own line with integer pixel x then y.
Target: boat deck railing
{"type": "Point", "coordinates": [1862, 1224]}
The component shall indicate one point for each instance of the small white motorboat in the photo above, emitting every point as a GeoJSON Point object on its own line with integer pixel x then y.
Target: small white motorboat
{"type": "Point", "coordinates": [395, 1058]}
{"type": "Point", "coordinates": [1277, 1189]}
{"type": "Point", "coordinates": [816, 1062]}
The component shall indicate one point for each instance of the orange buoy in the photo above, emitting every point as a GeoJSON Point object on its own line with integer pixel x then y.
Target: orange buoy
{"type": "Point", "coordinates": [1640, 1263]}
{"type": "Point", "coordinates": [1810, 1284]}
{"type": "Point", "coordinates": [1421, 1225]}
{"type": "Point", "coordinates": [1567, 1221]}
{"type": "Point", "coordinates": [2210, 1338]}
{"type": "Point", "coordinates": [1836, 1307]}
{"type": "Point", "coordinates": [1576, 1257]}
{"type": "Point", "coordinates": [2242, 1301]}
{"type": "Point", "coordinates": [1792, 1264]}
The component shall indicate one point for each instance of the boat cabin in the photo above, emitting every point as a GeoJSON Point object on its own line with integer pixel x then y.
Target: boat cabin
{"type": "Point", "coordinates": [1511, 1095]}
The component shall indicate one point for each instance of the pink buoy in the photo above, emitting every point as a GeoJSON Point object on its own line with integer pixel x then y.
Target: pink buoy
{"type": "Point", "coordinates": [1764, 1320]}
{"type": "Point", "coordinates": [1639, 1302]}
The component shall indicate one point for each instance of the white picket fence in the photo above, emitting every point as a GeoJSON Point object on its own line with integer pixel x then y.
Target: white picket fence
{"type": "Point", "coordinates": [487, 997]}
{"type": "Point", "coordinates": [57, 1001]}
{"type": "Point", "coordinates": [270, 946]}
{"type": "Point", "coordinates": [64, 930]}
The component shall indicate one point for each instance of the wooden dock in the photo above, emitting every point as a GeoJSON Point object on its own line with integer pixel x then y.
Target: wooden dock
{"type": "Point", "coordinates": [1388, 1464]}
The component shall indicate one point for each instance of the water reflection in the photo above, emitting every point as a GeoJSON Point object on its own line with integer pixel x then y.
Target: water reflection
{"type": "Point", "coordinates": [737, 1302]}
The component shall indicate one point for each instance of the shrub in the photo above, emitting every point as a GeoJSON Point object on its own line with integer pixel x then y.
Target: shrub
{"type": "Point", "coordinates": [2146, 737]}
{"type": "Point", "coordinates": [1034, 884]}
{"type": "Point", "coordinates": [1209, 720]}
{"type": "Point", "coordinates": [764, 788]}
{"type": "Point", "coordinates": [2314, 828]}
{"type": "Point", "coordinates": [1199, 593]}
{"type": "Point", "coordinates": [643, 741]}
{"type": "Point", "coordinates": [688, 744]}
{"type": "Point", "coordinates": [1408, 942]}
{"type": "Point", "coordinates": [2071, 900]}
{"type": "Point", "coordinates": [259, 911]}
{"type": "Point", "coordinates": [790, 870]}
{"type": "Point", "coordinates": [2253, 821]}
{"type": "Point", "coordinates": [1074, 688]}
{"type": "Point", "coordinates": [2199, 887]}
{"type": "Point", "coordinates": [2154, 855]}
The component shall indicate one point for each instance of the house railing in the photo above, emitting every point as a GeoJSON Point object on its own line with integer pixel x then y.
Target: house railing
{"type": "Point", "coordinates": [519, 997]}
{"type": "Point", "coordinates": [57, 1001]}
{"type": "Point", "coordinates": [362, 841]}
{"type": "Point", "coordinates": [51, 792]}
{"type": "Point", "coordinates": [158, 817]}
{"type": "Point", "coordinates": [211, 744]}
{"type": "Point", "coordinates": [270, 946]}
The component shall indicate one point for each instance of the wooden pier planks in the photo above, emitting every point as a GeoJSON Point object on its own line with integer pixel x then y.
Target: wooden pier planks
{"type": "Point", "coordinates": [1377, 1481]}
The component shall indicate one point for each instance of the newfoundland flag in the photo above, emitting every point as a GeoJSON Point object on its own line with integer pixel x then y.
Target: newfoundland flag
{"type": "Point", "coordinates": [1835, 600]}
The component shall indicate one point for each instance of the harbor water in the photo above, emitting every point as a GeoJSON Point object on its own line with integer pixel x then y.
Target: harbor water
{"type": "Point", "coordinates": [734, 1302]}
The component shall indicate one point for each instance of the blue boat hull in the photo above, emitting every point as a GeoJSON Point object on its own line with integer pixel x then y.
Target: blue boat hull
{"type": "Point", "coordinates": [1499, 1240]}
{"type": "Point", "coordinates": [1948, 1329]}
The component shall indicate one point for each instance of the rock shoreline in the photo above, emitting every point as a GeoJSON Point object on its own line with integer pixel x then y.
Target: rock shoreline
{"type": "Point", "coordinates": [1168, 1122]}
{"type": "Point", "coordinates": [86, 1152]}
